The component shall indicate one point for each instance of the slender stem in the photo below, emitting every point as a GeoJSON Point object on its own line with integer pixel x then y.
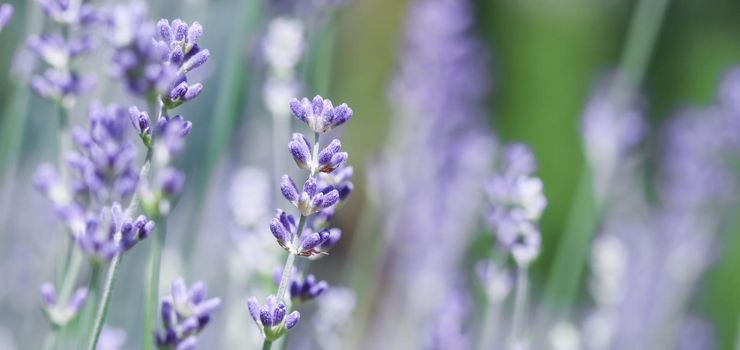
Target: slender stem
{"type": "Point", "coordinates": [150, 308]}
{"type": "Point", "coordinates": [283, 287]}
{"type": "Point", "coordinates": [104, 302]}
{"type": "Point", "coordinates": [86, 321]}
{"type": "Point", "coordinates": [70, 276]}
{"type": "Point", "coordinates": [50, 340]}
{"type": "Point", "coordinates": [520, 305]}
{"type": "Point", "coordinates": [490, 325]}
{"type": "Point", "coordinates": [266, 345]}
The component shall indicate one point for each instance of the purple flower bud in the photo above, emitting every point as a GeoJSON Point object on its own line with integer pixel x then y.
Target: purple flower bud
{"type": "Point", "coordinates": [193, 91]}
{"type": "Point", "coordinates": [171, 182]}
{"type": "Point", "coordinates": [194, 33]}
{"type": "Point", "coordinates": [48, 294]}
{"type": "Point", "coordinates": [78, 299]}
{"type": "Point", "coordinates": [184, 314]}
{"type": "Point", "coordinates": [177, 56]}
{"type": "Point", "coordinates": [330, 158]}
{"type": "Point", "coordinates": [164, 30]}
{"type": "Point", "coordinates": [292, 319]}
{"type": "Point", "coordinates": [288, 189]}
{"type": "Point", "coordinates": [299, 110]}
{"type": "Point", "coordinates": [254, 308]}
{"type": "Point", "coordinates": [180, 29]}
{"type": "Point", "coordinates": [319, 114]}
{"type": "Point", "coordinates": [196, 61]}
{"type": "Point", "coordinates": [179, 91]}
{"type": "Point", "coordinates": [265, 318]}
{"type": "Point", "coordinates": [300, 148]}
{"type": "Point", "coordinates": [279, 313]}
{"type": "Point", "coordinates": [310, 187]}
{"type": "Point", "coordinates": [310, 241]}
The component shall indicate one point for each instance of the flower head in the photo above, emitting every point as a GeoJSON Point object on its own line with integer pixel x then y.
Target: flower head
{"type": "Point", "coordinates": [319, 114]}
{"type": "Point", "coordinates": [69, 13]}
{"type": "Point", "coordinates": [182, 53]}
{"type": "Point", "coordinates": [184, 314]}
{"type": "Point", "coordinates": [57, 313]}
{"type": "Point", "coordinates": [310, 200]}
{"type": "Point", "coordinates": [112, 233]}
{"type": "Point", "coordinates": [283, 227]}
{"type": "Point", "coordinates": [326, 161]}
{"type": "Point", "coordinates": [301, 289]}
{"type": "Point", "coordinates": [271, 317]}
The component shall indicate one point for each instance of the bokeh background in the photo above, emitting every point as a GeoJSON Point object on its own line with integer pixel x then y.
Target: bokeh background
{"type": "Point", "coordinates": [546, 57]}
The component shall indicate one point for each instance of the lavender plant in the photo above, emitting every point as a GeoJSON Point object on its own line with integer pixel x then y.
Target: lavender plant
{"type": "Point", "coordinates": [298, 238]}
{"type": "Point", "coordinates": [184, 315]}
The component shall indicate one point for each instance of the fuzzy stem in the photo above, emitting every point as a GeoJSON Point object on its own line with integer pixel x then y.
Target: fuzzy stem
{"type": "Point", "coordinates": [283, 287]}
{"type": "Point", "coordinates": [520, 305]}
{"type": "Point", "coordinates": [266, 345]}
{"type": "Point", "coordinates": [104, 302]}
{"type": "Point", "coordinates": [490, 325]}
{"type": "Point", "coordinates": [150, 308]}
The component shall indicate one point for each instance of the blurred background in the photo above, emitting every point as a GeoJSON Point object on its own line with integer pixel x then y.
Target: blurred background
{"type": "Point", "coordinates": [546, 60]}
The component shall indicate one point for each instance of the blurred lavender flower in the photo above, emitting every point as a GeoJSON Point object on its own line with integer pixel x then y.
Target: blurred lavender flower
{"type": "Point", "coordinates": [111, 338]}
{"type": "Point", "coordinates": [438, 155]}
{"type": "Point", "coordinates": [112, 233]}
{"type": "Point", "coordinates": [610, 132]}
{"type": "Point", "coordinates": [59, 82]}
{"type": "Point", "coordinates": [271, 317]}
{"type": "Point", "coordinates": [319, 114]}
{"type": "Point", "coordinates": [449, 327]}
{"type": "Point", "coordinates": [184, 54]}
{"type": "Point", "coordinates": [495, 279]}
{"type": "Point", "coordinates": [6, 13]}
{"type": "Point", "coordinates": [301, 289]}
{"type": "Point", "coordinates": [333, 317]}
{"type": "Point", "coordinates": [184, 315]}
{"type": "Point", "coordinates": [517, 203]}
{"type": "Point", "coordinates": [283, 46]}
{"type": "Point", "coordinates": [138, 60]}
{"type": "Point", "coordinates": [105, 158]}
{"type": "Point", "coordinates": [249, 196]}
{"type": "Point", "coordinates": [69, 13]}
{"type": "Point", "coordinates": [60, 312]}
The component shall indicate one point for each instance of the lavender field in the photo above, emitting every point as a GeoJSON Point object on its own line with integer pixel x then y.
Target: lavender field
{"type": "Point", "coordinates": [370, 174]}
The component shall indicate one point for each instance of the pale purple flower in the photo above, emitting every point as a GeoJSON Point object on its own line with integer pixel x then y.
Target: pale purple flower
{"type": "Point", "coordinates": [184, 315]}
{"type": "Point", "coordinates": [449, 330]}
{"type": "Point", "coordinates": [272, 318]}
{"type": "Point", "coordinates": [6, 13]}
{"type": "Point", "coordinates": [69, 13]}
{"type": "Point", "coordinates": [495, 279]}
{"type": "Point", "coordinates": [138, 60]}
{"type": "Point", "coordinates": [310, 200]}
{"type": "Point", "coordinates": [112, 232]}
{"type": "Point", "coordinates": [111, 338]}
{"type": "Point", "coordinates": [184, 54]}
{"type": "Point", "coordinates": [301, 289]}
{"type": "Point", "coordinates": [327, 160]}
{"type": "Point", "coordinates": [320, 114]}
{"type": "Point", "coordinates": [60, 314]}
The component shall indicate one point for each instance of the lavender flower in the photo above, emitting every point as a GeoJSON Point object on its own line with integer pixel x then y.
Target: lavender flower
{"type": "Point", "coordinates": [301, 289]}
{"type": "Point", "coordinates": [69, 13]}
{"type": "Point", "coordinates": [311, 243]}
{"type": "Point", "coordinates": [111, 338]}
{"type": "Point", "coordinates": [319, 114]}
{"type": "Point", "coordinates": [517, 203]}
{"type": "Point", "coordinates": [283, 44]}
{"type": "Point", "coordinates": [60, 312]}
{"type": "Point", "coordinates": [333, 317]}
{"type": "Point", "coordinates": [496, 281]}
{"type": "Point", "coordinates": [271, 318]}
{"type": "Point", "coordinates": [112, 233]}
{"type": "Point", "coordinates": [6, 13]}
{"type": "Point", "coordinates": [59, 82]}
{"type": "Point", "coordinates": [328, 160]}
{"type": "Point", "coordinates": [310, 200]}
{"type": "Point", "coordinates": [437, 157]}
{"type": "Point", "coordinates": [105, 158]}
{"type": "Point", "coordinates": [138, 60]}
{"type": "Point", "coordinates": [448, 330]}
{"type": "Point", "coordinates": [184, 54]}
{"type": "Point", "coordinates": [184, 315]}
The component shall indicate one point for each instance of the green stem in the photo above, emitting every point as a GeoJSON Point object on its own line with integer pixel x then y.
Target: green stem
{"type": "Point", "coordinates": [586, 210]}
{"type": "Point", "coordinates": [104, 302]}
{"type": "Point", "coordinates": [150, 308]}
{"type": "Point", "coordinates": [520, 306]}
{"type": "Point", "coordinates": [287, 269]}
{"type": "Point", "coordinates": [490, 325]}
{"type": "Point", "coordinates": [70, 275]}
{"type": "Point", "coordinates": [88, 315]}
{"type": "Point", "coordinates": [266, 345]}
